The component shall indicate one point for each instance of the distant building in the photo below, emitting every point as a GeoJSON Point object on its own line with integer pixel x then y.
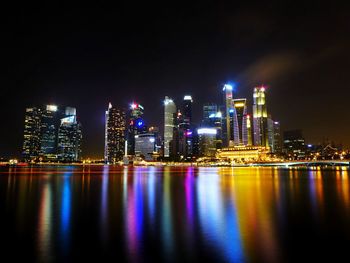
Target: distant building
{"type": "Point", "coordinates": [136, 125]}
{"type": "Point", "coordinates": [243, 154]}
{"type": "Point", "coordinates": [32, 134]}
{"type": "Point", "coordinates": [115, 126]}
{"type": "Point", "coordinates": [209, 110]}
{"type": "Point", "coordinates": [184, 128]}
{"type": "Point", "coordinates": [260, 117]}
{"type": "Point", "coordinates": [240, 122]}
{"type": "Point", "coordinates": [270, 134]}
{"type": "Point", "coordinates": [207, 142]}
{"type": "Point", "coordinates": [69, 138]}
{"type": "Point", "coordinates": [50, 121]}
{"type": "Point", "coordinates": [145, 146]}
{"type": "Point", "coordinates": [169, 120]}
{"type": "Point", "coordinates": [228, 116]}
{"type": "Point", "coordinates": [277, 138]}
{"type": "Point", "coordinates": [294, 144]}
{"type": "Point", "coordinates": [249, 131]}
{"type": "Point", "coordinates": [51, 133]}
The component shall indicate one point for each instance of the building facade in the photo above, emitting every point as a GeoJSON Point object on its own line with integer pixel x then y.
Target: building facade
{"type": "Point", "coordinates": [136, 125]}
{"type": "Point", "coordinates": [207, 142]}
{"type": "Point", "coordinates": [228, 123]}
{"type": "Point", "coordinates": [145, 146]}
{"type": "Point", "coordinates": [115, 126]}
{"type": "Point", "coordinates": [32, 134]}
{"type": "Point", "coordinates": [51, 133]}
{"type": "Point", "coordinates": [240, 122]}
{"type": "Point", "coordinates": [260, 129]}
{"type": "Point", "coordinates": [169, 120]}
{"type": "Point", "coordinates": [184, 128]}
{"type": "Point", "coordinates": [69, 140]}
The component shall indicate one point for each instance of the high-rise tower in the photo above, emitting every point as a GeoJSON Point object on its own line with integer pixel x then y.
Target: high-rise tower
{"type": "Point", "coordinates": [228, 125]}
{"type": "Point", "coordinates": [32, 135]}
{"type": "Point", "coordinates": [50, 121]}
{"type": "Point", "coordinates": [240, 133]}
{"type": "Point", "coordinates": [260, 117]}
{"type": "Point", "coordinates": [114, 134]}
{"type": "Point", "coordinates": [51, 133]}
{"type": "Point", "coordinates": [169, 119]}
{"type": "Point", "coordinates": [136, 125]}
{"type": "Point", "coordinates": [184, 125]}
{"type": "Point", "coordinates": [69, 137]}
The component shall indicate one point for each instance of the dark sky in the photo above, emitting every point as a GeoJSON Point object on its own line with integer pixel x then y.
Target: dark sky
{"type": "Point", "coordinates": [87, 55]}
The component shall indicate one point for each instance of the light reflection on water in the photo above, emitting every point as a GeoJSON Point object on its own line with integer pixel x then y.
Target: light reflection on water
{"type": "Point", "coordinates": [173, 214]}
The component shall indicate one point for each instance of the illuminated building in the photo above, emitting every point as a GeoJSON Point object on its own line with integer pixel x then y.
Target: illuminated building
{"type": "Point", "coordinates": [243, 154]}
{"type": "Point", "coordinates": [136, 125]}
{"type": "Point", "coordinates": [277, 145]}
{"type": "Point", "coordinates": [51, 134]}
{"type": "Point", "coordinates": [260, 117]}
{"type": "Point", "coordinates": [50, 121]}
{"type": "Point", "coordinates": [145, 146]}
{"type": "Point", "coordinates": [32, 137]}
{"type": "Point", "coordinates": [228, 123]}
{"type": "Point", "coordinates": [240, 133]}
{"type": "Point", "coordinates": [249, 130]}
{"type": "Point", "coordinates": [207, 141]}
{"type": "Point", "coordinates": [169, 120]}
{"type": "Point", "coordinates": [115, 125]}
{"type": "Point", "coordinates": [294, 144]}
{"type": "Point", "coordinates": [69, 137]}
{"type": "Point", "coordinates": [215, 120]}
{"type": "Point", "coordinates": [158, 143]}
{"type": "Point", "coordinates": [184, 128]}
{"type": "Point", "coordinates": [274, 136]}
{"type": "Point", "coordinates": [209, 109]}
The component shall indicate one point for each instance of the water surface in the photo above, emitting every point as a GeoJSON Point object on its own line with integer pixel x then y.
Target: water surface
{"type": "Point", "coordinates": [180, 214]}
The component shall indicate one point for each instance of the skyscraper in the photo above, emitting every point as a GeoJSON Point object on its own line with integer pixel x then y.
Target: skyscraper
{"type": "Point", "coordinates": [51, 133]}
{"type": "Point", "coordinates": [240, 122]}
{"type": "Point", "coordinates": [50, 121]}
{"type": "Point", "coordinates": [260, 117]}
{"type": "Point", "coordinates": [169, 118]}
{"type": "Point", "coordinates": [249, 130]}
{"type": "Point", "coordinates": [184, 127]}
{"type": "Point", "coordinates": [114, 134]}
{"type": "Point", "coordinates": [228, 124]}
{"type": "Point", "coordinates": [277, 140]}
{"type": "Point", "coordinates": [32, 135]}
{"type": "Point", "coordinates": [136, 125]}
{"type": "Point", "coordinates": [69, 137]}
{"type": "Point", "coordinates": [209, 109]}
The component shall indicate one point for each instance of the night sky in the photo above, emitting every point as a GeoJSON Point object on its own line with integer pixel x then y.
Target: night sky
{"type": "Point", "coordinates": [86, 56]}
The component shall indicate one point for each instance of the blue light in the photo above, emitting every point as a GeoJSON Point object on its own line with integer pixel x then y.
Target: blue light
{"type": "Point", "coordinates": [228, 86]}
{"type": "Point", "coordinates": [231, 110]}
{"type": "Point", "coordinates": [140, 123]}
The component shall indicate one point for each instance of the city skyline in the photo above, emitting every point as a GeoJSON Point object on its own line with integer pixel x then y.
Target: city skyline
{"type": "Point", "coordinates": [69, 57]}
{"type": "Point", "coordinates": [129, 135]}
